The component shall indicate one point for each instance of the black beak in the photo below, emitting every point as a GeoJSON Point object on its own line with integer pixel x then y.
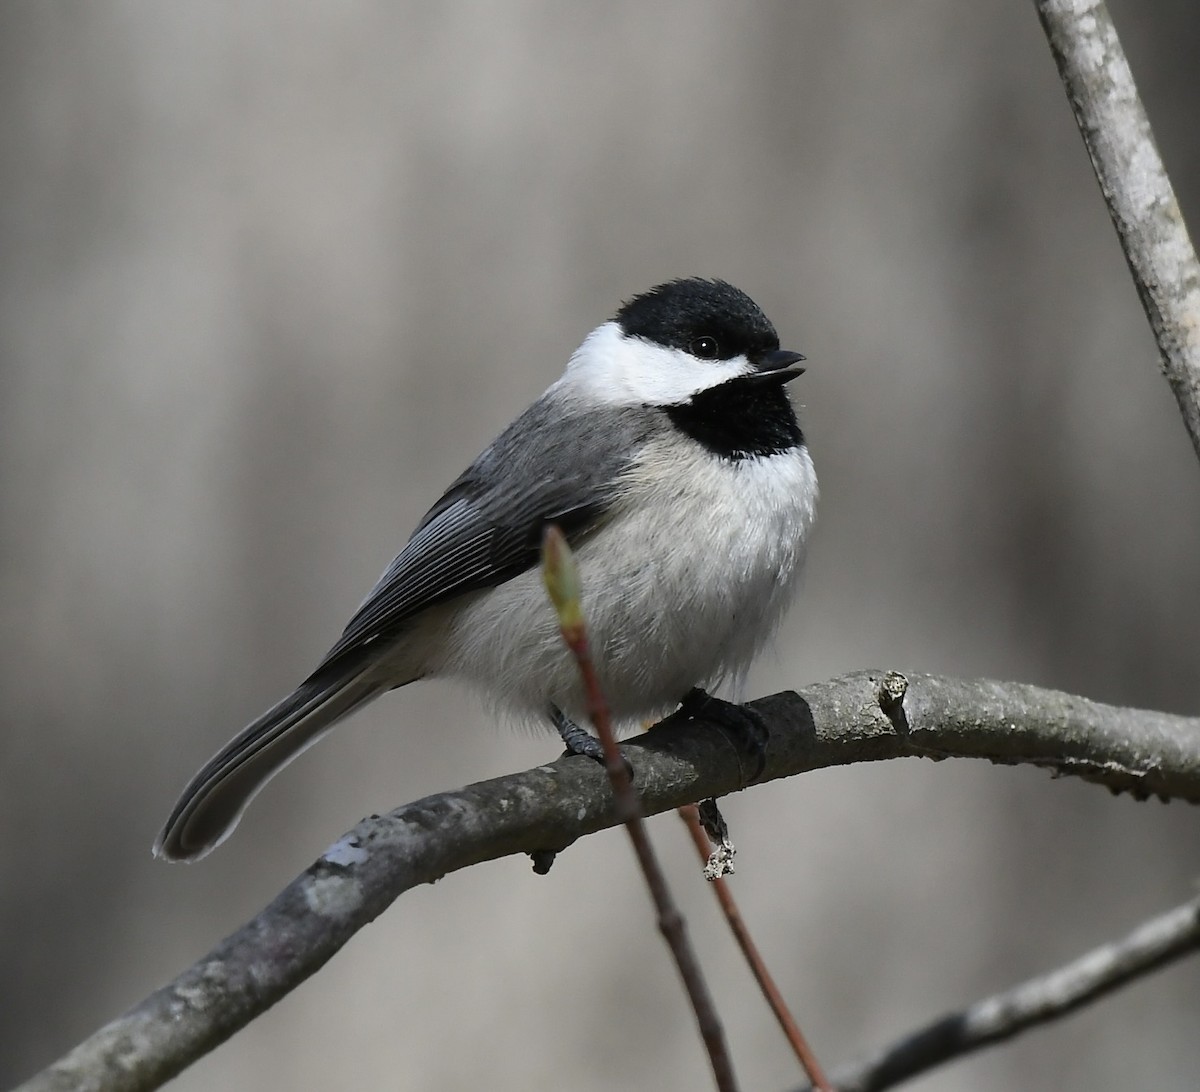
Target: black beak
{"type": "Point", "coordinates": [779, 365]}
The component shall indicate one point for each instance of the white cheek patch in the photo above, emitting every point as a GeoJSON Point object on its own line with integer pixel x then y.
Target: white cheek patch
{"type": "Point", "coordinates": [621, 370]}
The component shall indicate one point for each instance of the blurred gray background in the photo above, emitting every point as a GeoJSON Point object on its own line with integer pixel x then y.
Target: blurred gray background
{"type": "Point", "coordinates": [270, 276]}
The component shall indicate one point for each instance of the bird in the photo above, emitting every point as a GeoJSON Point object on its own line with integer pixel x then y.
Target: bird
{"type": "Point", "coordinates": [670, 455]}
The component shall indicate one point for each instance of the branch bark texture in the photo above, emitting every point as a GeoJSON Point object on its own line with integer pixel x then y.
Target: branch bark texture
{"type": "Point", "coordinates": [867, 716]}
{"type": "Point", "coordinates": [1135, 185]}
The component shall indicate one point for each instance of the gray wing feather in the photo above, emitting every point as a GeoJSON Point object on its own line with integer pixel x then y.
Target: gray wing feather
{"type": "Point", "coordinates": [487, 527]}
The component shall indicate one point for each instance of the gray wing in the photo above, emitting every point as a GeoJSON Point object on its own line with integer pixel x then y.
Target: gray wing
{"type": "Point", "coordinates": [554, 464]}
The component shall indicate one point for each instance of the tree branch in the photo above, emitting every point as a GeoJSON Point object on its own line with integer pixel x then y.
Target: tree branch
{"type": "Point", "coordinates": [832, 724]}
{"type": "Point", "coordinates": [1135, 185]}
{"type": "Point", "coordinates": [1051, 996]}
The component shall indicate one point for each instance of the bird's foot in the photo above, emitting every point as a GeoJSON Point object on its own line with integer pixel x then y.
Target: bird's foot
{"type": "Point", "coordinates": [742, 724]}
{"type": "Point", "coordinates": [579, 741]}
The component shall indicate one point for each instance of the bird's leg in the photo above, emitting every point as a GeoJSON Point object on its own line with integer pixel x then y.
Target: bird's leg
{"type": "Point", "coordinates": [578, 741]}
{"type": "Point", "coordinates": [743, 725]}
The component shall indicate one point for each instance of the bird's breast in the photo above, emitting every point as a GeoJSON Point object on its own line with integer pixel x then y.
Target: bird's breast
{"type": "Point", "coordinates": [683, 581]}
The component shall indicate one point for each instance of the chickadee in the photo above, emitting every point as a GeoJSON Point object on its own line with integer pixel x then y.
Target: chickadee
{"type": "Point", "coordinates": [669, 454]}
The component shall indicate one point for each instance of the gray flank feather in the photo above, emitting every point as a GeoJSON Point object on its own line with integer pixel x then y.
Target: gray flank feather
{"type": "Point", "coordinates": [558, 462]}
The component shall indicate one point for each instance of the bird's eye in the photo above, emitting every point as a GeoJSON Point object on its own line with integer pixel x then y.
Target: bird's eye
{"type": "Point", "coordinates": [705, 348]}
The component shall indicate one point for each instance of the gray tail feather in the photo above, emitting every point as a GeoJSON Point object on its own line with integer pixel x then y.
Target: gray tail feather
{"type": "Point", "coordinates": [215, 798]}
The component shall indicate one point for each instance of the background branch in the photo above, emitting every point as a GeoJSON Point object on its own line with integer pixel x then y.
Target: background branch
{"type": "Point", "coordinates": [833, 723]}
{"type": "Point", "coordinates": [1047, 997]}
{"type": "Point", "coordinates": [1135, 185]}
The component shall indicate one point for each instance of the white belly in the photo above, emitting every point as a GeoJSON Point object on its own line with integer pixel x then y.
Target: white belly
{"type": "Point", "coordinates": [681, 587]}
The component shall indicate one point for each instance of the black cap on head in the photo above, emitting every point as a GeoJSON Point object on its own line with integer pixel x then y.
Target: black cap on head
{"type": "Point", "coordinates": [691, 312]}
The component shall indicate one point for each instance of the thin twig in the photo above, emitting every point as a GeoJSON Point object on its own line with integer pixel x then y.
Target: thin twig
{"type": "Point", "coordinates": [563, 584]}
{"type": "Point", "coordinates": [1135, 185]}
{"type": "Point", "coordinates": [1051, 996]}
{"type": "Point", "coordinates": [766, 983]}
